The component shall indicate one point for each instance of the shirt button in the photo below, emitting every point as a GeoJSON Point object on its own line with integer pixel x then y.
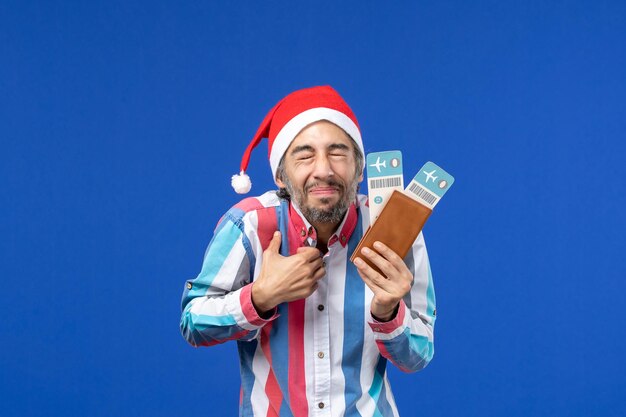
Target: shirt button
{"type": "Point", "coordinates": [321, 405]}
{"type": "Point", "coordinates": [320, 307]}
{"type": "Point", "coordinates": [320, 355]}
{"type": "Point", "coordinates": [303, 232]}
{"type": "Point", "coordinates": [189, 285]}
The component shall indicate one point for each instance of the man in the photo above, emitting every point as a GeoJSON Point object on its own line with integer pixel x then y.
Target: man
{"type": "Point", "coordinates": [314, 331]}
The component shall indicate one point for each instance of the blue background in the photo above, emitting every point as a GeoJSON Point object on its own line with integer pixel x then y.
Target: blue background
{"type": "Point", "coordinates": [122, 122]}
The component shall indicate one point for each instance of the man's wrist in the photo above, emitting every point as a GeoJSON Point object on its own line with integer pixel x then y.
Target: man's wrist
{"type": "Point", "coordinates": [385, 316]}
{"type": "Point", "coordinates": [261, 305]}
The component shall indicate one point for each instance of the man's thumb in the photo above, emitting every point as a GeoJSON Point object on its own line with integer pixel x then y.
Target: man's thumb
{"type": "Point", "coordinates": [274, 245]}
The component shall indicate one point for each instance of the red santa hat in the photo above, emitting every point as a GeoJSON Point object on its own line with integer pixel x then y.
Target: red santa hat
{"type": "Point", "coordinates": [288, 117]}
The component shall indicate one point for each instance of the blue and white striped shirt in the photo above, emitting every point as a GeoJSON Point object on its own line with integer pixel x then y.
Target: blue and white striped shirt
{"type": "Point", "coordinates": [320, 356]}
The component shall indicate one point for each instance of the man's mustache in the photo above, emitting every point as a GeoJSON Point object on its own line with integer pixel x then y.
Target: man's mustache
{"type": "Point", "coordinates": [330, 183]}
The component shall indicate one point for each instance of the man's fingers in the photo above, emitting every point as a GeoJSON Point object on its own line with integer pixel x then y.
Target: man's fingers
{"type": "Point", "coordinates": [309, 253]}
{"type": "Point", "coordinates": [319, 272]}
{"type": "Point", "coordinates": [388, 253]}
{"type": "Point", "coordinates": [375, 287]}
{"type": "Point", "coordinates": [395, 261]}
{"type": "Point", "coordinates": [274, 245]}
{"type": "Point", "coordinates": [315, 264]}
{"type": "Point", "coordinates": [383, 264]}
{"type": "Point", "coordinates": [367, 272]}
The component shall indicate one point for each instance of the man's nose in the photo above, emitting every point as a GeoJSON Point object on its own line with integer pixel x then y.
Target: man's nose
{"type": "Point", "coordinates": [323, 168]}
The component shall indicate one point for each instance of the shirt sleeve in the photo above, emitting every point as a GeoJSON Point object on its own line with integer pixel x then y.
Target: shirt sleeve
{"type": "Point", "coordinates": [407, 340]}
{"type": "Point", "coordinates": [217, 304]}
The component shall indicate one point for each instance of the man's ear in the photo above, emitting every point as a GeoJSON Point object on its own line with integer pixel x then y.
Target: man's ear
{"type": "Point", "coordinates": [279, 182]}
{"type": "Point", "coordinates": [361, 176]}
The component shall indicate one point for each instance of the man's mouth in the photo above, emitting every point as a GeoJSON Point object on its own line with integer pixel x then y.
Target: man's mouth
{"type": "Point", "coordinates": [323, 191]}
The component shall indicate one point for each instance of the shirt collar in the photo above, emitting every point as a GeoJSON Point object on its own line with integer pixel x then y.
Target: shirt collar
{"type": "Point", "coordinates": [306, 232]}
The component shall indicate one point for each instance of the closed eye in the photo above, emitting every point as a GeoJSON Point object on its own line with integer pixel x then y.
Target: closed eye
{"type": "Point", "coordinates": [338, 149]}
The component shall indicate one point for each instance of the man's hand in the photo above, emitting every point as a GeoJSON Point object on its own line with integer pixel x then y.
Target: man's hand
{"type": "Point", "coordinates": [284, 279]}
{"type": "Point", "coordinates": [389, 288]}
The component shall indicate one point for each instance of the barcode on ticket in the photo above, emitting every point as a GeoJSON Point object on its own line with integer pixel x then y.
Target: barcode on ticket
{"type": "Point", "coordinates": [385, 182]}
{"type": "Point", "coordinates": [423, 194]}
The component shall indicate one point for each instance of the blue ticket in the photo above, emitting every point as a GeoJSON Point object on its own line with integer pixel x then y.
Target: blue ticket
{"type": "Point", "coordinates": [384, 174]}
{"type": "Point", "coordinates": [430, 184]}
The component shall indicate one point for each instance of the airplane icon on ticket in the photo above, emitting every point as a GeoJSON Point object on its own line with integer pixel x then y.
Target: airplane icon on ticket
{"type": "Point", "coordinates": [379, 164]}
{"type": "Point", "coordinates": [430, 176]}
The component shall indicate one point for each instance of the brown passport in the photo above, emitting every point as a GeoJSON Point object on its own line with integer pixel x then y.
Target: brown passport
{"type": "Point", "coordinates": [397, 226]}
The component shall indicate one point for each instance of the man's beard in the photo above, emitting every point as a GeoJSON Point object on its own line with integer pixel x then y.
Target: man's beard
{"type": "Point", "coordinates": [333, 214]}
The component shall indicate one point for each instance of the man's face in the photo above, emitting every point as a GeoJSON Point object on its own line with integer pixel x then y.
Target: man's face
{"type": "Point", "coordinates": [320, 172]}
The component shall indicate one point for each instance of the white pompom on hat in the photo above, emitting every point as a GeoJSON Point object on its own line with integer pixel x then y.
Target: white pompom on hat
{"type": "Point", "coordinates": [288, 117]}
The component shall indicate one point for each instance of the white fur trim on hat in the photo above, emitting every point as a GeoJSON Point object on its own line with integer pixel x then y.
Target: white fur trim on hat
{"type": "Point", "coordinates": [299, 122]}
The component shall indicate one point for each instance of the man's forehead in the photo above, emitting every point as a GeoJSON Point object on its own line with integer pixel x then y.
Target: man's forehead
{"type": "Point", "coordinates": [332, 136]}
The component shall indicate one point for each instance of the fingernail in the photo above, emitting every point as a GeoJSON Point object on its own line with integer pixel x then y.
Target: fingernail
{"type": "Point", "coordinates": [378, 245]}
{"type": "Point", "coordinates": [366, 251]}
{"type": "Point", "coordinates": [358, 261]}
